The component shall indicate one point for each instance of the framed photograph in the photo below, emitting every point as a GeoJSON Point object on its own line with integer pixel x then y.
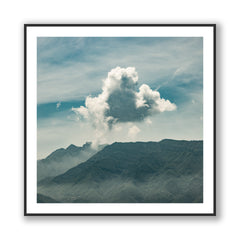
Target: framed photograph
{"type": "Point", "coordinates": [120, 119]}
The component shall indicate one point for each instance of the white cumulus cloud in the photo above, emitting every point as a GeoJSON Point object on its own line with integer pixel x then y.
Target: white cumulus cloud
{"type": "Point", "coordinates": [121, 101]}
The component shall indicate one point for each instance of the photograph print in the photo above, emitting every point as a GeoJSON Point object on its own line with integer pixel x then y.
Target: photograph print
{"type": "Point", "coordinates": [119, 120]}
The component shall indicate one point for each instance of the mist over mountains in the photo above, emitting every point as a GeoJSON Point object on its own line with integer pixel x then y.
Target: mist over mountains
{"type": "Point", "coordinates": [62, 159]}
{"type": "Point", "coordinates": [168, 171]}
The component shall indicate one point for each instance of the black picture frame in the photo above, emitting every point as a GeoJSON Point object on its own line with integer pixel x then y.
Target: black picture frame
{"type": "Point", "coordinates": [27, 111]}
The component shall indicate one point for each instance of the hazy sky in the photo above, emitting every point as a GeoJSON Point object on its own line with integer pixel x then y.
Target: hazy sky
{"type": "Point", "coordinates": [118, 89]}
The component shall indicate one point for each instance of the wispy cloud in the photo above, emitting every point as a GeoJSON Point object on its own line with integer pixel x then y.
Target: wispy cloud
{"type": "Point", "coordinates": [58, 105]}
{"type": "Point", "coordinates": [70, 68]}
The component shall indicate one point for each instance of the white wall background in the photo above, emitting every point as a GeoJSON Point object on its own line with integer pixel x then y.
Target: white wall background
{"type": "Point", "coordinates": [14, 14]}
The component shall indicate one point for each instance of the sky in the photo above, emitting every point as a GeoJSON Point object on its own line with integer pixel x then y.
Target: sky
{"type": "Point", "coordinates": [120, 89]}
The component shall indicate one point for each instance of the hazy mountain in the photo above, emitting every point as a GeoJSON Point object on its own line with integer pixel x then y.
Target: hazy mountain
{"type": "Point", "coordinates": [63, 159]}
{"type": "Point", "coordinates": [165, 171]}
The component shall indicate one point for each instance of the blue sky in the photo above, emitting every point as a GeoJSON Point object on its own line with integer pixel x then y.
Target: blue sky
{"type": "Point", "coordinates": [70, 69]}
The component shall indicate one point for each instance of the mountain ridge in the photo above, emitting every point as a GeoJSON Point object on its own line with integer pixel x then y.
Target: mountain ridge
{"type": "Point", "coordinates": [165, 171]}
{"type": "Point", "coordinates": [70, 148]}
{"type": "Point", "coordinates": [63, 159]}
{"type": "Point", "coordinates": [120, 147]}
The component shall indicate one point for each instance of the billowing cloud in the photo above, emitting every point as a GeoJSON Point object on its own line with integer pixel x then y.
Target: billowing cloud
{"type": "Point", "coordinates": [133, 131]}
{"type": "Point", "coordinates": [120, 101]}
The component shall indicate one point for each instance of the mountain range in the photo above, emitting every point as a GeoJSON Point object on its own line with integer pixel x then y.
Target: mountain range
{"type": "Point", "coordinates": [62, 159]}
{"type": "Point", "coordinates": [169, 171]}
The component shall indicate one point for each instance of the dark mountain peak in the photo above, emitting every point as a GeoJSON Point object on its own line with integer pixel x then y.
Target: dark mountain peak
{"type": "Point", "coordinates": [86, 145]}
{"type": "Point", "coordinates": [72, 147]}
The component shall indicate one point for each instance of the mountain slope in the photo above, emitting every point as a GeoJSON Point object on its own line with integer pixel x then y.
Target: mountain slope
{"type": "Point", "coordinates": [138, 161]}
{"type": "Point", "coordinates": [63, 159]}
{"type": "Point", "coordinates": [166, 171]}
